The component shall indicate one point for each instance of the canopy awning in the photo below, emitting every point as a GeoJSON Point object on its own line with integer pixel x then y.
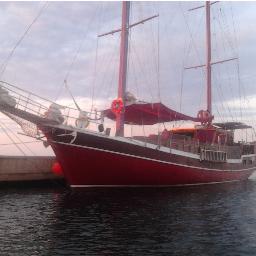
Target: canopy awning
{"type": "Point", "coordinates": [232, 125]}
{"type": "Point", "coordinates": [149, 114]}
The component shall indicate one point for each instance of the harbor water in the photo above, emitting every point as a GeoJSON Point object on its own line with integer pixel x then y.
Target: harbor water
{"type": "Point", "coordinates": [201, 220]}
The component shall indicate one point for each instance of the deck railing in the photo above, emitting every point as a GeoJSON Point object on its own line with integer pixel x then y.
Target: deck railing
{"type": "Point", "coordinates": [190, 145]}
{"type": "Point", "coordinates": [39, 106]}
{"type": "Point", "coordinates": [29, 102]}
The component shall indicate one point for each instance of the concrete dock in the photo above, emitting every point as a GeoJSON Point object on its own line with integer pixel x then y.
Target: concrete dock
{"type": "Point", "coordinates": [26, 168]}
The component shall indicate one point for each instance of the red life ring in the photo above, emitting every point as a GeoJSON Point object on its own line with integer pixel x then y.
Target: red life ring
{"type": "Point", "coordinates": [117, 106]}
{"type": "Point", "coordinates": [203, 116]}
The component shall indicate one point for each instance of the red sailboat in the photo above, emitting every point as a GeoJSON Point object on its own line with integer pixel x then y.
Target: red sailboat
{"type": "Point", "coordinates": [204, 154]}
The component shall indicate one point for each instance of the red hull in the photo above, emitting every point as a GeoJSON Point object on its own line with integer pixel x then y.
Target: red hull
{"type": "Point", "coordinates": [85, 167]}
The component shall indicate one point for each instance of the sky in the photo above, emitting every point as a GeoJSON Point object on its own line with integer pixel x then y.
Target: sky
{"type": "Point", "coordinates": [62, 43]}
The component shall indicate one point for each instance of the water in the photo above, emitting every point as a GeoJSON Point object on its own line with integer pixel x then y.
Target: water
{"type": "Point", "coordinates": [208, 220]}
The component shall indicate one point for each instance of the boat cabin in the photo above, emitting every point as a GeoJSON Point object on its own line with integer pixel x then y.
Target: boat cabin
{"type": "Point", "coordinates": [217, 137]}
{"type": "Point", "coordinates": [205, 135]}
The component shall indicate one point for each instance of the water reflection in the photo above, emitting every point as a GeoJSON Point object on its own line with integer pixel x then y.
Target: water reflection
{"type": "Point", "coordinates": [209, 220]}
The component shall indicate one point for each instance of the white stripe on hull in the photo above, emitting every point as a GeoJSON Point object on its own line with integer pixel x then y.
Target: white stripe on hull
{"type": "Point", "coordinates": [152, 186]}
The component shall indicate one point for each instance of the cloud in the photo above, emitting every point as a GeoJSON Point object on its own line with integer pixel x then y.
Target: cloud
{"type": "Point", "coordinates": [43, 59]}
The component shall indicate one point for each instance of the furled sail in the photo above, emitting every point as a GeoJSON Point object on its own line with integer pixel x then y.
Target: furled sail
{"type": "Point", "coordinates": [149, 114]}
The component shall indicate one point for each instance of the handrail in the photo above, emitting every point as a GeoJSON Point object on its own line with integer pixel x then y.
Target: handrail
{"type": "Point", "coordinates": [37, 105]}
{"type": "Point", "coordinates": [28, 92]}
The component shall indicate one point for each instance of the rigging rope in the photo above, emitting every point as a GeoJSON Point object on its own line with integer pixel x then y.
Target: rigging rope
{"type": "Point", "coordinates": [192, 40]}
{"type": "Point", "coordinates": [158, 71]}
{"type": "Point", "coordinates": [14, 143]}
{"type": "Point", "coordinates": [129, 50]}
{"type": "Point", "coordinates": [20, 141]}
{"type": "Point", "coordinates": [216, 75]}
{"type": "Point", "coordinates": [76, 54]}
{"type": "Point", "coordinates": [105, 71]}
{"type": "Point", "coordinates": [133, 71]}
{"type": "Point", "coordinates": [191, 36]}
{"type": "Point", "coordinates": [252, 120]}
{"type": "Point", "coordinates": [226, 34]}
{"type": "Point", "coordinates": [6, 61]}
{"type": "Point", "coordinates": [182, 79]}
{"type": "Point", "coordinates": [17, 143]}
{"type": "Point", "coordinates": [158, 57]}
{"type": "Point", "coordinates": [96, 58]}
{"type": "Point", "coordinates": [142, 70]}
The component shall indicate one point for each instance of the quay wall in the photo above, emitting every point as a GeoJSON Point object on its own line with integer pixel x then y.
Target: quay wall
{"type": "Point", "coordinates": [26, 168]}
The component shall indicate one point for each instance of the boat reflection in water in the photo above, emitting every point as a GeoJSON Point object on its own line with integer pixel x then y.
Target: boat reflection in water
{"type": "Point", "coordinates": [191, 221]}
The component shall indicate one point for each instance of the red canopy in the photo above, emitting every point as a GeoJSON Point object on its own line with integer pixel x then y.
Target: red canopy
{"type": "Point", "coordinates": [149, 114]}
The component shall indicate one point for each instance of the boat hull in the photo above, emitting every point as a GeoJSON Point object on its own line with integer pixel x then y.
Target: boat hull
{"type": "Point", "coordinates": [85, 165]}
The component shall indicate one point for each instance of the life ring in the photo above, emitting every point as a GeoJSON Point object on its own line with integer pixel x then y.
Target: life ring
{"type": "Point", "coordinates": [117, 106]}
{"type": "Point", "coordinates": [82, 121]}
{"type": "Point", "coordinates": [203, 116]}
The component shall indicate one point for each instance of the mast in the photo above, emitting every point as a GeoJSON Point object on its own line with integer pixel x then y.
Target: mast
{"type": "Point", "coordinates": [209, 63]}
{"type": "Point", "coordinates": [123, 65]}
{"type": "Point", "coordinates": [119, 103]}
{"type": "Point", "coordinates": [208, 57]}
